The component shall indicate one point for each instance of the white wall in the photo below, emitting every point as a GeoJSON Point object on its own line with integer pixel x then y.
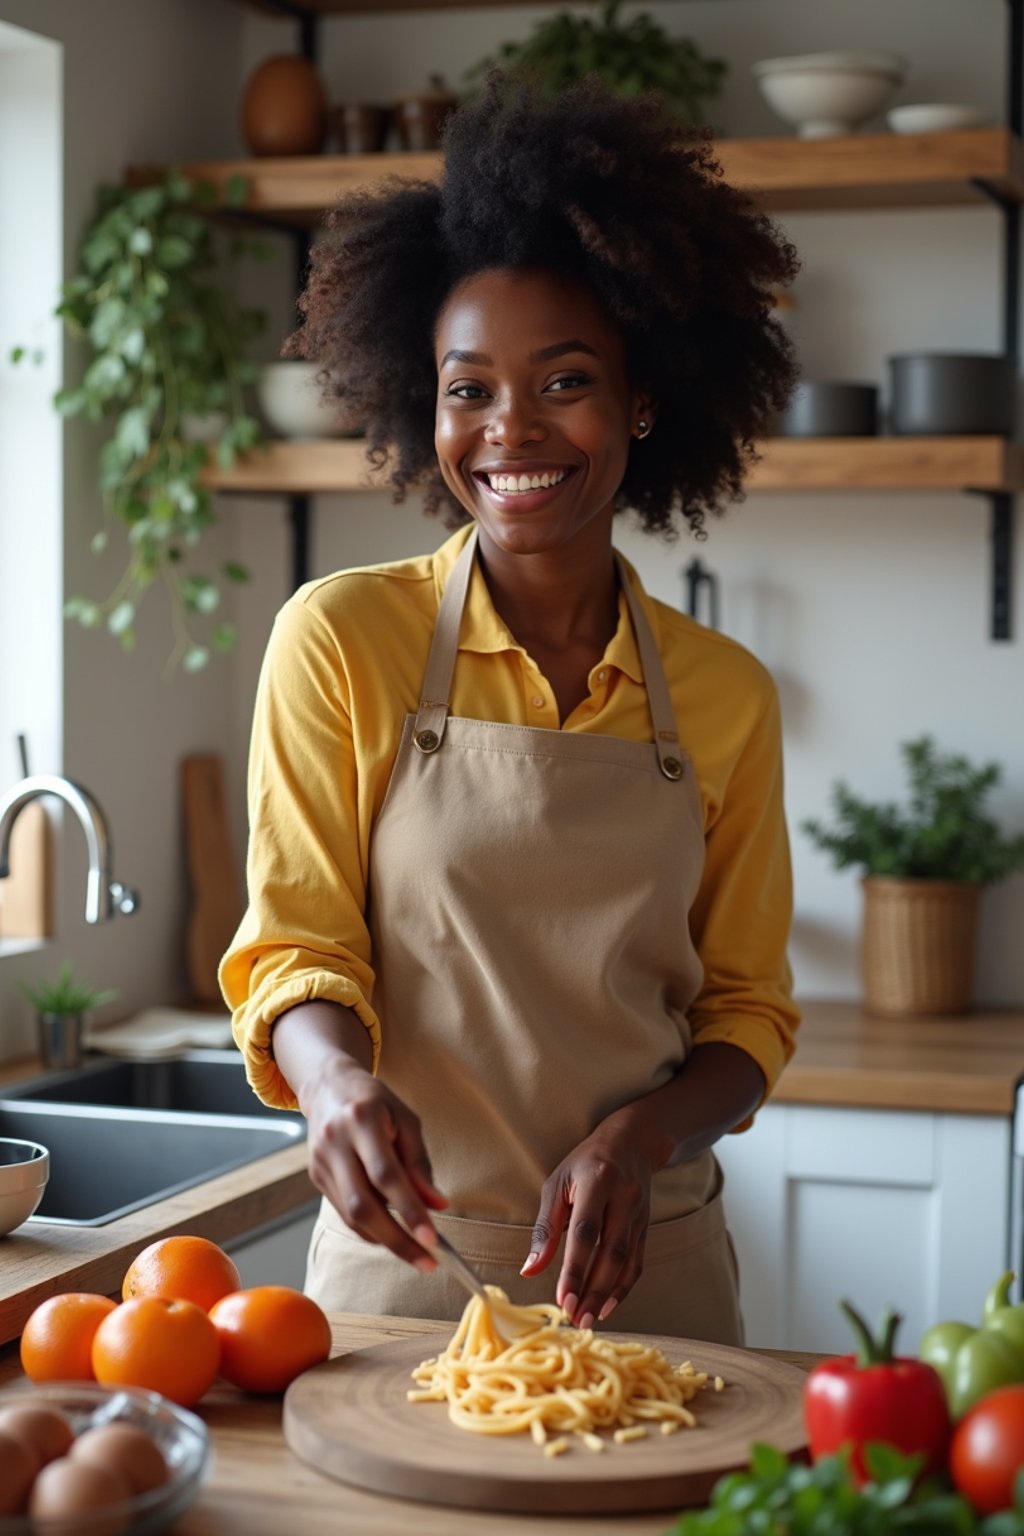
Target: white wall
{"type": "Point", "coordinates": [152, 82]}
{"type": "Point", "coordinates": [871, 610]}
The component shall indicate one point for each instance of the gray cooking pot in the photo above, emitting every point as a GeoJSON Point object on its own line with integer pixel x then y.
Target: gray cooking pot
{"type": "Point", "coordinates": [934, 393]}
{"type": "Point", "coordinates": [820, 408]}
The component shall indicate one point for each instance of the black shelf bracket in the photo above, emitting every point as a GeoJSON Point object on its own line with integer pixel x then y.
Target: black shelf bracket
{"type": "Point", "coordinates": [1002, 503]}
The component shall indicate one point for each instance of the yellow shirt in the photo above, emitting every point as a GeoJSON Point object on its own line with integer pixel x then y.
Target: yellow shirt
{"type": "Point", "coordinates": [343, 667]}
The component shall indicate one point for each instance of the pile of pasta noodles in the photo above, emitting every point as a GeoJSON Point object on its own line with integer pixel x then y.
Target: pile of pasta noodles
{"type": "Point", "coordinates": [521, 1370]}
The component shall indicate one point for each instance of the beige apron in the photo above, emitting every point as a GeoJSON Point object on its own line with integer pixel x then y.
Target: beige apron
{"type": "Point", "coordinates": [528, 911]}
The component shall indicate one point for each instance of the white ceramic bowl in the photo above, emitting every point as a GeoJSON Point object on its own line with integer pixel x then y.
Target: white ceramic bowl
{"type": "Point", "coordinates": [24, 1170]}
{"type": "Point", "coordinates": [935, 117]}
{"type": "Point", "coordinates": [182, 1437]}
{"type": "Point", "coordinates": [826, 95]}
{"type": "Point", "coordinates": [290, 399]}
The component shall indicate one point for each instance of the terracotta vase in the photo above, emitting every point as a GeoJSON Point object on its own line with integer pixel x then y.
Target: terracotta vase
{"type": "Point", "coordinates": [284, 108]}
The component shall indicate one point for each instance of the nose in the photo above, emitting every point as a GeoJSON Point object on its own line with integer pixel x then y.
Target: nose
{"type": "Point", "coordinates": [514, 420]}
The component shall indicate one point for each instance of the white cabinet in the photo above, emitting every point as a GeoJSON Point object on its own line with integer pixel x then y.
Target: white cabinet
{"type": "Point", "coordinates": [883, 1207]}
{"type": "Point", "coordinates": [276, 1254]}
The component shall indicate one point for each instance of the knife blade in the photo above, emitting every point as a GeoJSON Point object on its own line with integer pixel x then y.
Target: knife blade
{"type": "Point", "coordinates": [456, 1266]}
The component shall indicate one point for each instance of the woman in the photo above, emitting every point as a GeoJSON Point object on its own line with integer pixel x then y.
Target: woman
{"type": "Point", "coordinates": [518, 874]}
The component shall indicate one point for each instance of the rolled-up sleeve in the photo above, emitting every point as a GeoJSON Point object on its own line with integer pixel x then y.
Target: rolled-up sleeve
{"type": "Point", "coordinates": [741, 918]}
{"type": "Point", "coordinates": [303, 936]}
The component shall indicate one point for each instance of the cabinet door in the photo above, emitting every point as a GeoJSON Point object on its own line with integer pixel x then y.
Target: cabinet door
{"type": "Point", "coordinates": [885, 1208]}
{"type": "Point", "coordinates": [276, 1254]}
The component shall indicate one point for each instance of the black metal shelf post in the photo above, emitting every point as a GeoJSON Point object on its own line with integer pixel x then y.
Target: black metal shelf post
{"type": "Point", "coordinates": [300, 505]}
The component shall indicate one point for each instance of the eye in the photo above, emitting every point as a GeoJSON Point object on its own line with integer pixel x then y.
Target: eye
{"type": "Point", "coordinates": [569, 381]}
{"type": "Point", "coordinates": [464, 390]}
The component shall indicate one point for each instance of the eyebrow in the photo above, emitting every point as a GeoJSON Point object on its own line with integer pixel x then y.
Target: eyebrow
{"type": "Point", "coordinates": [544, 355]}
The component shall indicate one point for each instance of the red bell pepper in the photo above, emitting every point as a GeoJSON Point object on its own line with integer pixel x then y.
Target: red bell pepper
{"type": "Point", "coordinates": [873, 1395]}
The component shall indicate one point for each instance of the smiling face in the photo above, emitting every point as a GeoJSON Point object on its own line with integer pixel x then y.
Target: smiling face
{"type": "Point", "coordinates": [534, 407]}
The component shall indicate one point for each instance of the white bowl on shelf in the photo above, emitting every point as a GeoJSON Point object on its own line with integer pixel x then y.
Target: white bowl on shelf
{"type": "Point", "coordinates": [293, 405]}
{"type": "Point", "coordinates": [828, 95]}
{"type": "Point", "coordinates": [24, 1171]}
{"type": "Point", "coordinates": [935, 117]}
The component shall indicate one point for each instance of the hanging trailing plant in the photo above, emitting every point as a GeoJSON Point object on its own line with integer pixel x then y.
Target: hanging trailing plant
{"type": "Point", "coordinates": [168, 343]}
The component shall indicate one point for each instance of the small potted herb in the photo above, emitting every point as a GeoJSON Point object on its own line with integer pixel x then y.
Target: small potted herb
{"type": "Point", "coordinates": [62, 1006]}
{"type": "Point", "coordinates": [923, 871]}
{"type": "Point", "coordinates": [631, 57]}
{"type": "Point", "coordinates": [166, 367]}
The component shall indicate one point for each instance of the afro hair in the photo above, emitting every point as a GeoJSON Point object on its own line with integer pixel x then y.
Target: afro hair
{"type": "Point", "coordinates": [615, 193]}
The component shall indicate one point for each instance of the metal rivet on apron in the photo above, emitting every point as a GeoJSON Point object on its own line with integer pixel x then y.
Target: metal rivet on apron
{"type": "Point", "coordinates": [672, 768]}
{"type": "Point", "coordinates": [427, 741]}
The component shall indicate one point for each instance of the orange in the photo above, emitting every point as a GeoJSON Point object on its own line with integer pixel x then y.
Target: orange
{"type": "Point", "coordinates": [56, 1344]}
{"type": "Point", "coordinates": [184, 1268]}
{"type": "Point", "coordinates": [165, 1344]}
{"type": "Point", "coordinates": [268, 1336]}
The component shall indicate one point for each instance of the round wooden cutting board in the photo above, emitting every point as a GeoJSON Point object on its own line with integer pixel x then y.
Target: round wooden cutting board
{"type": "Point", "coordinates": [349, 1418]}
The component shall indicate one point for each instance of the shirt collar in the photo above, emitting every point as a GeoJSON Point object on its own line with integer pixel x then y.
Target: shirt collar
{"type": "Point", "coordinates": [483, 629]}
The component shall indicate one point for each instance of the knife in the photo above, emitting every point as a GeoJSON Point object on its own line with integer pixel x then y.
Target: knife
{"type": "Point", "coordinates": [456, 1266]}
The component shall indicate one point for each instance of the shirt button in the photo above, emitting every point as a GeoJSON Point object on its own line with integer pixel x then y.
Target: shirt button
{"type": "Point", "coordinates": [537, 701]}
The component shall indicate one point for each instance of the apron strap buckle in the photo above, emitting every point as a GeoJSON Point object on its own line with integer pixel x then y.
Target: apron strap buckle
{"type": "Point", "coordinates": [428, 733]}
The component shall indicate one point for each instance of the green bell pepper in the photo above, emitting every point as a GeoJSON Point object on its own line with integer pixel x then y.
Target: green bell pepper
{"type": "Point", "coordinates": [974, 1361]}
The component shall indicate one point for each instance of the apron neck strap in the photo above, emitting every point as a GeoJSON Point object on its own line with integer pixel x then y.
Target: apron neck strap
{"type": "Point", "coordinates": [659, 700]}
{"type": "Point", "coordinates": [432, 714]}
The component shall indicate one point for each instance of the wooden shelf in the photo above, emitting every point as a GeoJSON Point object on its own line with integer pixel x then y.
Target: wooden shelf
{"type": "Point", "coordinates": [788, 464]}
{"type": "Point", "coordinates": [884, 170]}
{"type": "Point", "coordinates": [292, 8]}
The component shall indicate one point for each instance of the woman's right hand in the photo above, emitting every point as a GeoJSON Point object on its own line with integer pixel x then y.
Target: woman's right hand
{"type": "Point", "coordinates": [366, 1154]}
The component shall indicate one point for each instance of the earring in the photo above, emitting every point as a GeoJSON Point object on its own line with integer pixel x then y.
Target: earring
{"type": "Point", "coordinates": [643, 428]}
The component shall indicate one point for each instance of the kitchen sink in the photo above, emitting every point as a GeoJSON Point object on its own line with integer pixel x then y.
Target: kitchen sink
{"type": "Point", "coordinates": [108, 1160]}
{"type": "Point", "coordinates": [198, 1082]}
{"type": "Point", "coordinates": [123, 1134]}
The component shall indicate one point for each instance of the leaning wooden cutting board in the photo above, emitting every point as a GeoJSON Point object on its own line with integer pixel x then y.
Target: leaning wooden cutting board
{"type": "Point", "coordinates": [215, 902]}
{"type": "Point", "coordinates": [350, 1418]}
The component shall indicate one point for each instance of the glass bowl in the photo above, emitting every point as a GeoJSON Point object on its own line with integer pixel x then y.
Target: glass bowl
{"type": "Point", "coordinates": [182, 1437]}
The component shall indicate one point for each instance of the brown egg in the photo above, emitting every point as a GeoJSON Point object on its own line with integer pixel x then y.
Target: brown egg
{"type": "Point", "coordinates": [284, 108]}
{"type": "Point", "coordinates": [66, 1490]}
{"type": "Point", "coordinates": [18, 1466]}
{"type": "Point", "coordinates": [126, 1450]}
{"type": "Point", "coordinates": [44, 1430]}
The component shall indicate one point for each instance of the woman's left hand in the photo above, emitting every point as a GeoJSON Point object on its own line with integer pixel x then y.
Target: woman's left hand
{"type": "Point", "coordinates": [600, 1195]}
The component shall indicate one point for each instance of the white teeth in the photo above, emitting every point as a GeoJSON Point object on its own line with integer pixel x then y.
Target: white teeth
{"type": "Point", "coordinates": [515, 485]}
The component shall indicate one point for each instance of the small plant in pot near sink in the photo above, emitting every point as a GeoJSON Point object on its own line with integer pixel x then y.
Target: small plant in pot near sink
{"type": "Point", "coordinates": [924, 870]}
{"type": "Point", "coordinates": [62, 1006]}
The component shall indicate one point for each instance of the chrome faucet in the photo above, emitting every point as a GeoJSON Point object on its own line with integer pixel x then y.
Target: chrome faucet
{"type": "Point", "coordinates": [104, 896]}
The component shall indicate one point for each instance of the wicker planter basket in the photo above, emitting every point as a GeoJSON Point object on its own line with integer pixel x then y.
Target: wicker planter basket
{"type": "Point", "coordinates": [917, 945]}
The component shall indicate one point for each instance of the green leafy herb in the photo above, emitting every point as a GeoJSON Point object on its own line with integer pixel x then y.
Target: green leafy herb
{"type": "Point", "coordinates": [631, 57]}
{"type": "Point", "coordinates": [65, 994]}
{"type": "Point", "coordinates": [778, 1497]}
{"type": "Point", "coordinates": [944, 834]}
{"type": "Point", "coordinates": [166, 341]}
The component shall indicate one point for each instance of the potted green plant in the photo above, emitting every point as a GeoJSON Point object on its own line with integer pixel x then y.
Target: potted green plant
{"type": "Point", "coordinates": [924, 868]}
{"type": "Point", "coordinates": [62, 1006]}
{"type": "Point", "coordinates": [167, 356]}
{"type": "Point", "coordinates": [631, 57]}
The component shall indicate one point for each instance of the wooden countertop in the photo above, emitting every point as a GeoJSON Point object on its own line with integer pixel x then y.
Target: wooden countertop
{"type": "Point", "coordinates": [960, 1064]}
{"type": "Point", "coordinates": [256, 1487]}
